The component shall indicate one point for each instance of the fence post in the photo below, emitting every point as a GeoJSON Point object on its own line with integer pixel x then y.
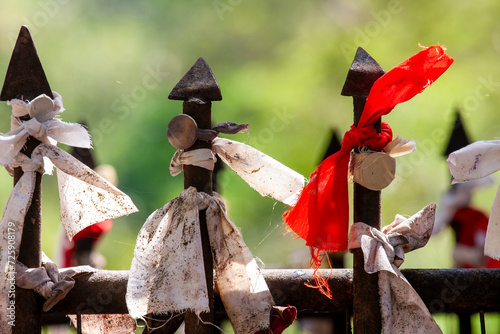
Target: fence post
{"type": "Point", "coordinates": [25, 79]}
{"type": "Point", "coordinates": [197, 89]}
{"type": "Point", "coordinates": [363, 73]}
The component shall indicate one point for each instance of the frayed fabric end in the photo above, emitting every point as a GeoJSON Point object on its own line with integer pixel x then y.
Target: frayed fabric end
{"type": "Point", "coordinates": [321, 283]}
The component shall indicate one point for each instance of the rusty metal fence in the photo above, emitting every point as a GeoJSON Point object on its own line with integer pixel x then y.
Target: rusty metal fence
{"type": "Point", "coordinates": [461, 291]}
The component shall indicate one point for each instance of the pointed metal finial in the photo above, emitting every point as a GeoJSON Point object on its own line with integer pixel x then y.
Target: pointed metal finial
{"type": "Point", "coordinates": [362, 75]}
{"type": "Point", "coordinates": [198, 83]}
{"type": "Point", "coordinates": [25, 78]}
{"type": "Point", "coordinates": [458, 136]}
{"type": "Point", "coordinates": [334, 146]}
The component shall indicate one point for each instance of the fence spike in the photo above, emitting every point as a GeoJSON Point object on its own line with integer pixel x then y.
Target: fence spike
{"type": "Point", "coordinates": [25, 78]}
{"type": "Point", "coordinates": [362, 75]}
{"type": "Point", "coordinates": [197, 89]}
{"type": "Point", "coordinates": [198, 83]}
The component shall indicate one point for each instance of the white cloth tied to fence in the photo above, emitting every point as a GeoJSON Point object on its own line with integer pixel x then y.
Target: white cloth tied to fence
{"type": "Point", "coordinates": [263, 173]}
{"type": "Point", "coordinates": [48, 281]}
{"type": "Point", "coordinates": [401, 308]}
{"type": "Point", "coordinates": [475, 161]}
{"type": "Point", "coordinates": [86, 198]}
{"type": "Point", "coordinates": [167, 273]}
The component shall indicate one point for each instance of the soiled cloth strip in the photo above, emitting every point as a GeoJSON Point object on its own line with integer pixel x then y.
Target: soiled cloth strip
{"type": "Point", "coordinates": [401, 308]}
{"type": "Point", "coordinates": [11, 225]}
{"type": "Point", "coordinates": [169, 247]}
{"type": "Point", "coordinates": [42, 126]}
{"type": "Point", "coordinates": [202, 157]}
{"type": "Point", "coordinates": [266, 175]}
{"type": "Point", "coordinates": [475, 161]}
{"type": "Point", "coordinates": [48, 281]}
{"type": "Point", "coordinates": [45, 128]}
{"type": "Point", "coordinates": [105, 323]}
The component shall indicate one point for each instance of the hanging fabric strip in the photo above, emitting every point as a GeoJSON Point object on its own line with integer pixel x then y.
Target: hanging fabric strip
{"type": "Point", "coordinates": [321, 215]}
{"type": "Point", "coordinates": [473, 162]}
{"type": "Point", "coordinates": [47, 129]}
{"type": "Point", "coordinates": [401, 308]}
{"type": "Point", "coordinates": [266, 175]}
{"type": "Point", "coordinates": [169, 246]}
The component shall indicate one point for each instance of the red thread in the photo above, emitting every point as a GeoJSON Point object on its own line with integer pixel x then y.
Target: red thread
{"type": "Point", "coordinates": [321, 215]}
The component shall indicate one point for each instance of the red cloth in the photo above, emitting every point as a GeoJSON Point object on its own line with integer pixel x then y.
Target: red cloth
{"type": "Point", "coordinates": [281, 317]}
{"type": "Point", "coordinates": [93, 232]}
{"type": "Point", "coordinates": [321, 215]}
{"type": "Point", "coordinates": [467, 223]}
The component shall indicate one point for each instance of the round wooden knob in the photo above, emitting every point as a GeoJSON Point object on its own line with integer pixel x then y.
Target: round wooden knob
{"type": "Point", "coordinates": [182, 132]}
{"type": "Point", "coordinates": [374, 170]}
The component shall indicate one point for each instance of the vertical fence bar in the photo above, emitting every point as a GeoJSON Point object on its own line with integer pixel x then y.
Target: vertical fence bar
{"type": "Point", "coordinates": [363, 73]}
{"type": "Point", "coordinates": [197, 89]}
{"type": "Point", "coordinates": [25, 79]}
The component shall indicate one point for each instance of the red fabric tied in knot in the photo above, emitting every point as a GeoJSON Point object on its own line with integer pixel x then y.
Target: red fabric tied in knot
{"type": "Point", "coordinates": [321, 215]}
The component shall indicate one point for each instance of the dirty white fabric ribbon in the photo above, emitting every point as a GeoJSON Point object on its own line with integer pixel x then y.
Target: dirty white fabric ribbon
{"type": "Point", "coordinates": [401, 308]}
{"type": "Point", "coordinates": [376, 170]}
{"type": "Point", "coordinates": [48, 281]}
{"type": "Point", "coordinates": [86, 198]}
{"type": "Point", "coordinates": [105, 323]}
{"type": "Point", "coordinates": [263, 173]}
{"type": "Point", "coordinates": [167, 273]}
{"type": "Point", "coordinates": [475, 161]}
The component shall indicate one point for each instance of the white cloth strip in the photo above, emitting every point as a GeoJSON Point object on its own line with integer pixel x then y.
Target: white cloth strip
{"type": "Point", "coordinates": [203, 157]}
{"type": "Point", "coordinates": [90, 201]}
{"type": "Point", "coordinates": [475, 161]}
{"type": "Point", "coordinates": [167, 273]}
{"type": "Point", "coordinates": [401, 308]}
{"type": "Point", "coordinates": [266, 175]}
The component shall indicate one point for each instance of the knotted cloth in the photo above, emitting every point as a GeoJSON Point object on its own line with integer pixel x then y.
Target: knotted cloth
{"type": "Point", "coordinates": [167, 273]}
{"type": "Point", "coordinates": [321, 215]}
{"type": "Point", "coordinates": [476, 161]}
{"type": "Point", "coordinates": [266, 175]}
{"type": "Point", "coordinates": [401, 308]}
{"type": "Point", "coordinates": [86, 198]}
{"type": "Point", "coordinates": [48, 281]}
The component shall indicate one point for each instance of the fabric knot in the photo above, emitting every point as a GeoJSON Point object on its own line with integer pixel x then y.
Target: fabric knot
{"type": "Point", "coordinates": [367, 136]}
{"type": "Point", "coordinates": [47, 281]}
{"type": "Point", "coordinates": [321, 214]}
{"type": "Point", "coordinates": [27, 164]}
{"type": "Point", "coordinates": [401, 308]}
{"type": "Point", "coordinates": [203, 157]}
{"type": "Point", "coordinates": [35, 128]}
{"type": "Point", "coordinates": [42, 125]}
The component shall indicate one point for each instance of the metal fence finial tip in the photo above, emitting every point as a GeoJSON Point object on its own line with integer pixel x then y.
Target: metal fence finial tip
{"type": "Point", "coordinates": [197, 84]}
{"type": "Point", "coordinates": [363, 73]}
{"type": "Point", "coordinates": [25, 78]}
{"type": "Point", "coordinates": [458, 136]}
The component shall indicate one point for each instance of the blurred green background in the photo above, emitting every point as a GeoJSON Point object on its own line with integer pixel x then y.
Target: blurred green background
{"type": "Point", "coordinates": [280, 66]}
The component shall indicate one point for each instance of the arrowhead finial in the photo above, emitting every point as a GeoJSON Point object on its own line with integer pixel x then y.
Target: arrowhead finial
{"type": "Point", "coordinates": [198, 83]}
{"type": "Point", "coordinates": [458, 136]}
{"type": "Point", "coordinates": [362, 75]}
{"type": "Point", "coordinates": [25, 78]}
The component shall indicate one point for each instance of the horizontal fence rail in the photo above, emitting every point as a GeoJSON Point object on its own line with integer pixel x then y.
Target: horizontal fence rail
{"type": "Point", "coordinates": [442, 290]}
